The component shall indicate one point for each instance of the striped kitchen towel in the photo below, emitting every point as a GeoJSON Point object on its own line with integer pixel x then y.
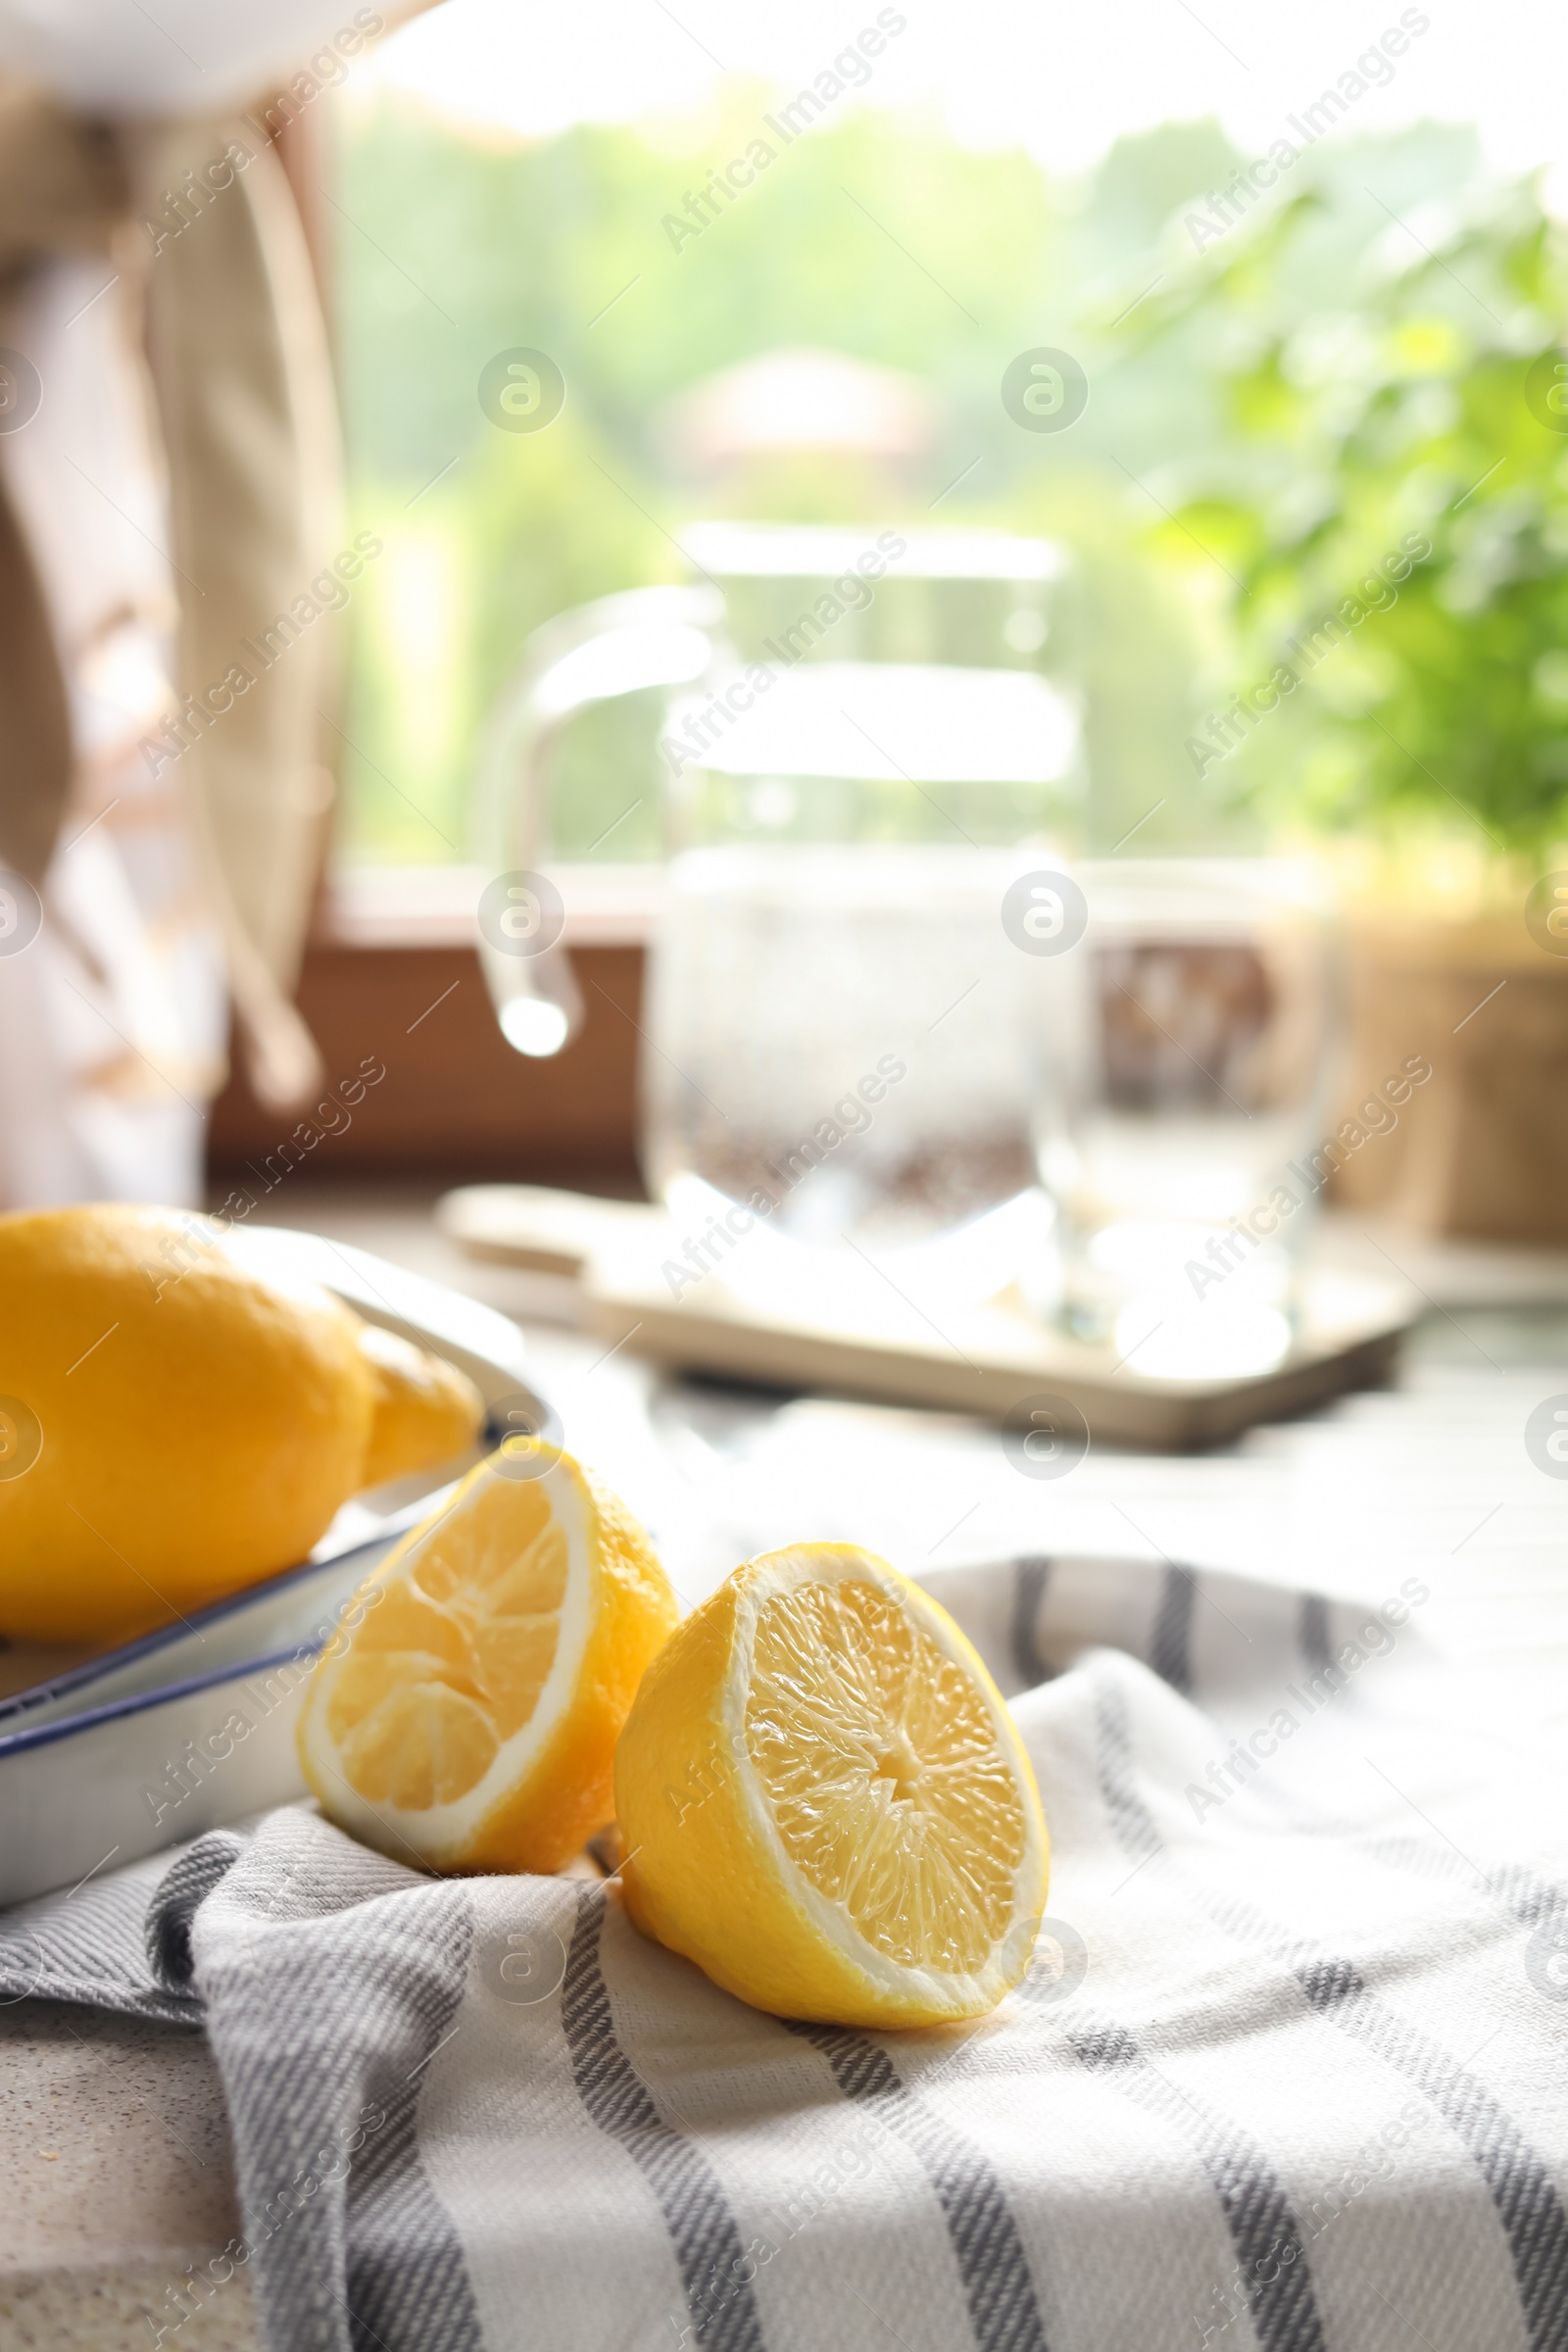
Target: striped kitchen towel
{"type": "Point", "coordinates": [1289, 2070]}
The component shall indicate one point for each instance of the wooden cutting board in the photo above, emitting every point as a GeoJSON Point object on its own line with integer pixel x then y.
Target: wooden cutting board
{"type": "Point", "coordinates": [995, 1360]}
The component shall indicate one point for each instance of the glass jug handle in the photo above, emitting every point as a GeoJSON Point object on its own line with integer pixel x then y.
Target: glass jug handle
{"type": "Point", "coordinates": [643, 637]}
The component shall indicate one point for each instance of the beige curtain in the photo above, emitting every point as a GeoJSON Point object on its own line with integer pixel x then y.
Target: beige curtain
{"type": "Point", "coordinates": [199, 224]}
{"type": "Point", "coordinates": [61, 188]}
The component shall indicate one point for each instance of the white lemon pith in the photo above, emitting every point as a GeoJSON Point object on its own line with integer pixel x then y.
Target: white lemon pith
{"type": "Point", "coordinates": [824, 1800]}
{"type": "Point", "coordinates": [467, 1715]}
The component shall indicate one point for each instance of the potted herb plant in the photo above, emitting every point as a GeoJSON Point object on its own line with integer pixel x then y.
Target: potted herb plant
{"type": "Point", "coordinates": [1390, 513]}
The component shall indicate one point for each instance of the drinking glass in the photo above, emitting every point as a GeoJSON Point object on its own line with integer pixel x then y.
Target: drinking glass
{"type": "Point", "coordinates": [1176, 1133]}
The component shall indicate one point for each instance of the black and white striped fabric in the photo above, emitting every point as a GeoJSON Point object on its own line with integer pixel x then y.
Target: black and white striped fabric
{"type": "Point", "coordinates": [1290, 2069]}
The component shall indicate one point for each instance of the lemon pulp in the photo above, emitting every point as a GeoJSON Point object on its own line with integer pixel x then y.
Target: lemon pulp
{"type": "Point", "coordinates": [453, 1660]}
{"type": "Point", "coordinates": [884, 1775]}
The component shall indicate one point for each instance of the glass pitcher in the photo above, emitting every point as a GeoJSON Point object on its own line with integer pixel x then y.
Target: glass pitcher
{"type": "Point", "coordinates": [869, 738]}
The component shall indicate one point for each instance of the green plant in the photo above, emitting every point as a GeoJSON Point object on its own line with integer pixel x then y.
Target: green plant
{"type": "Point", "coordinates": [1390, 505]}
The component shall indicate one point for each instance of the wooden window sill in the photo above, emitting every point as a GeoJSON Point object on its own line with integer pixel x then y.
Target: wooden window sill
{"type": "Point", "coordinates": [391, 981]}
{"type": "Point", "coordinates": [434, 905]}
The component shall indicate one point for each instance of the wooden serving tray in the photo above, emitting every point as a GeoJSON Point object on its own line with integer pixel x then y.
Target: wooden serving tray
{"type": "Point", "coordinates": [989, 1360]}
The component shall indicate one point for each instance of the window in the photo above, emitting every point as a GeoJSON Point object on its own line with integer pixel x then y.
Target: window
{"type": "Point", "coordinates": [653, 198]}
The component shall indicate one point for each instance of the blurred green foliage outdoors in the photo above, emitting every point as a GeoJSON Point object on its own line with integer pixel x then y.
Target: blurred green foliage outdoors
{"type": "Point", "coordinates": [1343, 369]}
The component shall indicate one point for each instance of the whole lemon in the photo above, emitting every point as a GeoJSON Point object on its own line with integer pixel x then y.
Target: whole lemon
{"type": "Point", "coordinates": [170, 1428]}
{"type": "Point", "coordinates": [423, 1409]}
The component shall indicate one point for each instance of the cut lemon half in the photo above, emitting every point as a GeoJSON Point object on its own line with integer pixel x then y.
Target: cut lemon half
{"type": "Point", "coordinates": [466, 1713]}
{"type": "Point", "coordinates": [824, 1802]}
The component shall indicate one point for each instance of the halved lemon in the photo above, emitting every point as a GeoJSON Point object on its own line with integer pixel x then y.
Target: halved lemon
{"type": "Point", "coordinates": [465, 1714]}
{"type": "Point", "coordinates": [824, 1802]}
